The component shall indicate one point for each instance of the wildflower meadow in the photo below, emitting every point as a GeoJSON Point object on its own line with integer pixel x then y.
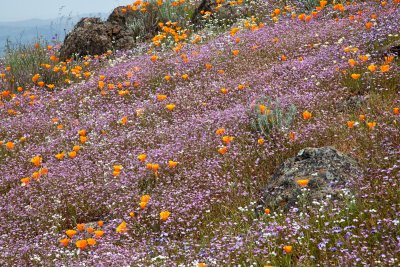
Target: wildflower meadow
{"type": "Point", "coordinates": [159, 155]}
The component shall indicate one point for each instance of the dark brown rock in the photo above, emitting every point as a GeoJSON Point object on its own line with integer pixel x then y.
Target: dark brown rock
{"type": "Point", "coordinates": [328, 172]}
{"type": "Point", "coordinates": [92, 36]}
{"type": "Point", "coordinates": [89, 36]}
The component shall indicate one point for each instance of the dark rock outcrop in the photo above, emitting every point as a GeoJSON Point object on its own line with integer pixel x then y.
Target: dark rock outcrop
{"type": "Point", "coordinates": [92, 36]}
{"type": "Point", "coordinates": [328, 172]}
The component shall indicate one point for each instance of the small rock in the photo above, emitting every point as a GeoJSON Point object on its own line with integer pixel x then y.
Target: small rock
{"type": "Point", "coordinates": [328, 171]}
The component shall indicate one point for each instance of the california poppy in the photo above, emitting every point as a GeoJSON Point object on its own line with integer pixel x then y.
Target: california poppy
{"type": "Point", "coordinates": [307, 115]}
{"type": "Point", "coordinates": [170, 107]}
{"type": "Point", "coordinates": [70, 233]}
{"type": "Point", "coordinates": [142, 157]}
{"type": "Point", "coordinates": [36, 160]}
{"type": "Point", "coordinates": [64, 242]}
{"type": "Point", "coordinates": [288, 249]}
{"type": "Point", "coordinates": [121, 228]}
{"type": "Point", "coordinates": [91, 241]}
{"type": "Point", "coordinates": [355, 76]}
{"type": "Point", "coordinates": [350, 124]}
{"type": "Point", "coordinates": [81, 244]}
{"type": "Point", "coordinates": [161, 97]}
{"type": "Point", "coordinates": [267, 211]}
{"type": "Point", "coordinates": [164, 215]}
{"type": "Point", "coordinates": [172, 164]}
{"type": "Point", "coordinates": [60, 156]}
{"type": "Point", "coordinates": [25, 181]}
{"type": "Point", "coordinates": [72, 154]}
{"type": "Point", "coordinates": [145, 198]}
{"type": "Point", "coordinates": [80, 227]}
{"type": "Point", "coordinates": [220, 131]}
{"type": "Point", "coordinates": [222, 150]}
{"type": "Point", "coordinates": [10, 145]}
{"type": "Point", "coordinates": [98, 233]}
{"type": "Point", "coordinates": [302, 182]}
{"type": "Point", "coordinates": [227, 139]}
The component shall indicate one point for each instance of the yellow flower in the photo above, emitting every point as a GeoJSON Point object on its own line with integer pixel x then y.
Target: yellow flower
{"type": "Point", "coordinates": [145, 198]}
{"type": "Point", "coordinates": [261, 141]}
{"type": "Point", "coordinates": [36, 160]}
{"type": "Point", "coordinates": [288, 249]}
{"type": "Point", "coordinates": [121, 228]}
{"type": "Point", "coordinates": [372, 68]}
{"type": "Point", "coordinates": [172, 164]}
{"type": "Point", "coordinates": [220, 131]}
{"type": "Point", "coordinates": [170, 107]}
{"type": "Point", "coordinates": [161, 97]}
{"type": "Point", "coordinates": [355, 76]}
{"type": "Point", "coordinates": [70, 233]}
{"type": "Point", "coordinates": [142, 157]}
{"type": "Point", "coordinates": [164, 215]}
{"type": "Point", "coordinates": [227, 139]}
{"type": "Point", "coordinates": [91, 241]}
{"type": "Point", "coordinates": [371, 125]}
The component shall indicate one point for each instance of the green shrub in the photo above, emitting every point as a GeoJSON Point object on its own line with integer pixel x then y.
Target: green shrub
{"type": "Point", "coordinates": [269, 115]}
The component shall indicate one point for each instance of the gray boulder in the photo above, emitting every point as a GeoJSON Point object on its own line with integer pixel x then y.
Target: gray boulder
{"type": "Point", "coordinates": [328, 171]}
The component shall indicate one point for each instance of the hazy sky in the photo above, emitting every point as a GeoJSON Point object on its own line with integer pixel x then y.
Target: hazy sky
{"type": "Point", "coordinates": [14, 10]}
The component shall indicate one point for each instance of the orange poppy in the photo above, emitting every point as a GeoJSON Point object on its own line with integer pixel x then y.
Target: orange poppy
{"type": "Point", "coordinates": [36, 160]}
{"type": "Point", "coordinates": [267, 211]}
{"type": "Point", "coordinates": [220, 131]}
{"type": "Point", "coordinates": [164, 215]}
{"type": "Point", "coordinates": [384, 68]}
{"type": "Point", "coordinates": [302, 182]}
{"type": "Point", "coordinates": [64, 242]}
{"type": "Point", "coordinates": [355, 76]}
{"type": "Point", "coordinates": [288, 249]}
{"type": "Point", "coordinates": [307, 115]}
{"type": "Point", "coordinates": [371, 125]}
{"type": "Point", "coordinates": [372, 68]}
{"type": "Point", "coordinates": [72, 154]}
{"type": "Point", "coordinates": [222, 150]}
{"type": "Point", "coordinates": [10, 145]}
{"type": "Point", "coordinates": [350, 124]}
{"type": "Point", "coordinates": [227, 139]}
{"type": "Point", "coordinates": [98, 233]}
{"type": "Point", "coordinates": [145, 198]}
{"type": "Point", "coordinates": [91, 241]}
{"type": "Point", "coordinates": [143, 204]}
{"type": "Point", "coordinates": [172, 164]}
{"type": "Point", "coordinates": [161, 97]}
{"type": "Point", "coordinates": [70, 233]}
{"type": "Point", "coordinates": [25, 181]}
{"type": "Point", "coordinates": [396, 111]}
{"type": "Point", "coordinates": [60, 156]}
{"type": "Point", "coordinates": [81, 244]}
{"type": "Point", "coordinates": [142, 157]}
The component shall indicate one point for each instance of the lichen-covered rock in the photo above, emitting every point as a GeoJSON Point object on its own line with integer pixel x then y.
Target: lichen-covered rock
{"type": "Point", "coordinates": [328, 171]}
